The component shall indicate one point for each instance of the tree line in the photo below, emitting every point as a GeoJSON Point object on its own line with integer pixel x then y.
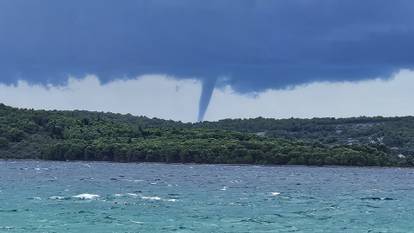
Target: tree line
{"type": "Point", "coordinates": [97, 136]}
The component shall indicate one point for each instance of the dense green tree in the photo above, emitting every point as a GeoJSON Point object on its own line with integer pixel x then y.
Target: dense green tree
{"type": "Point", "coordinates": [93, 136]}
{"type": "Point", "coordinates": [4, 143]}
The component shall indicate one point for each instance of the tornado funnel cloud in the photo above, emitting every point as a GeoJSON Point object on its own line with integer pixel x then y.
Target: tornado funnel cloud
{"type": "Point", "coordinates": [206, 93]}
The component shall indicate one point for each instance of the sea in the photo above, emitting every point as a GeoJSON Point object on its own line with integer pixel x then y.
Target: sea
{"type": "Point", "coordinates": [44, 196]}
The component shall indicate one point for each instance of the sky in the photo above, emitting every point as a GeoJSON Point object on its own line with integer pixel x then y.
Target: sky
{"type": "Point", "coordinates": [195, 60]}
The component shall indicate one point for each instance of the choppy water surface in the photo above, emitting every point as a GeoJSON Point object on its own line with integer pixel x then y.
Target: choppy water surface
{"type": "Point", "coordinates": [112, 197]}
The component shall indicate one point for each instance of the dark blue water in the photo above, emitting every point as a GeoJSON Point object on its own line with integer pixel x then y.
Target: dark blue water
{"type": "Point", "coordinates": [113, 197]}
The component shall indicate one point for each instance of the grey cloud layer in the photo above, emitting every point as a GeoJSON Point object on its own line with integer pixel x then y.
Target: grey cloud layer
{"type": "Point", "coordinates": [257, 45]}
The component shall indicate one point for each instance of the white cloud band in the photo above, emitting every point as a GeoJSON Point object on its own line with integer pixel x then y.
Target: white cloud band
{"type": "Point", "coordinates": [164, 97]}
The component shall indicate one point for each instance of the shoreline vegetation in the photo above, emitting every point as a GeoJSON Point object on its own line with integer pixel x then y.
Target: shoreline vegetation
{"type": "Point", "coordinates": [91, 162]}
{"type": "Point", "coordinates": [97, 136]}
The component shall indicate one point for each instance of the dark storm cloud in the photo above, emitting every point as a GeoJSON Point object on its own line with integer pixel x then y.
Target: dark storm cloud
{"type": "Point", "coordinates": [256, 44]}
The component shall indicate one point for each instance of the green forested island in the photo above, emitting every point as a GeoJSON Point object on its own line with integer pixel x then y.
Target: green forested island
{"type": "Point", "coordinates": [97, 136]}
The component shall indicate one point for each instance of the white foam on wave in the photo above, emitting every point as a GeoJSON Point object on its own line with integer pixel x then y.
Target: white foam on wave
{"type": "Point", "coordinates": [41, 168]}
{"type": "Point", "coordinates": [224, 188]}
{"type": "Point", "coordinates": [156, 198]}
{"type": "Point", "coordinates": [132, 194]}
{"type": "Point", "coordinates": [153, 198]}
{"type": "Point", "coordinates": [137, 222]}
{"type": "Point", "coordinates": [135, 181]}
{"type": "Point", "coordinates": [149, 198]}
{"type": "Point", "coordinates": [87, 196]}
{"type": "Point", "coordinates": [275, 193]}
{"type": "Point", "coordinates": [56, 198]}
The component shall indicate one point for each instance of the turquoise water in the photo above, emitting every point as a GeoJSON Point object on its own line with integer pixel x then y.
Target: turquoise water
{"type": "Point", "coordinates": [112, 197]}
